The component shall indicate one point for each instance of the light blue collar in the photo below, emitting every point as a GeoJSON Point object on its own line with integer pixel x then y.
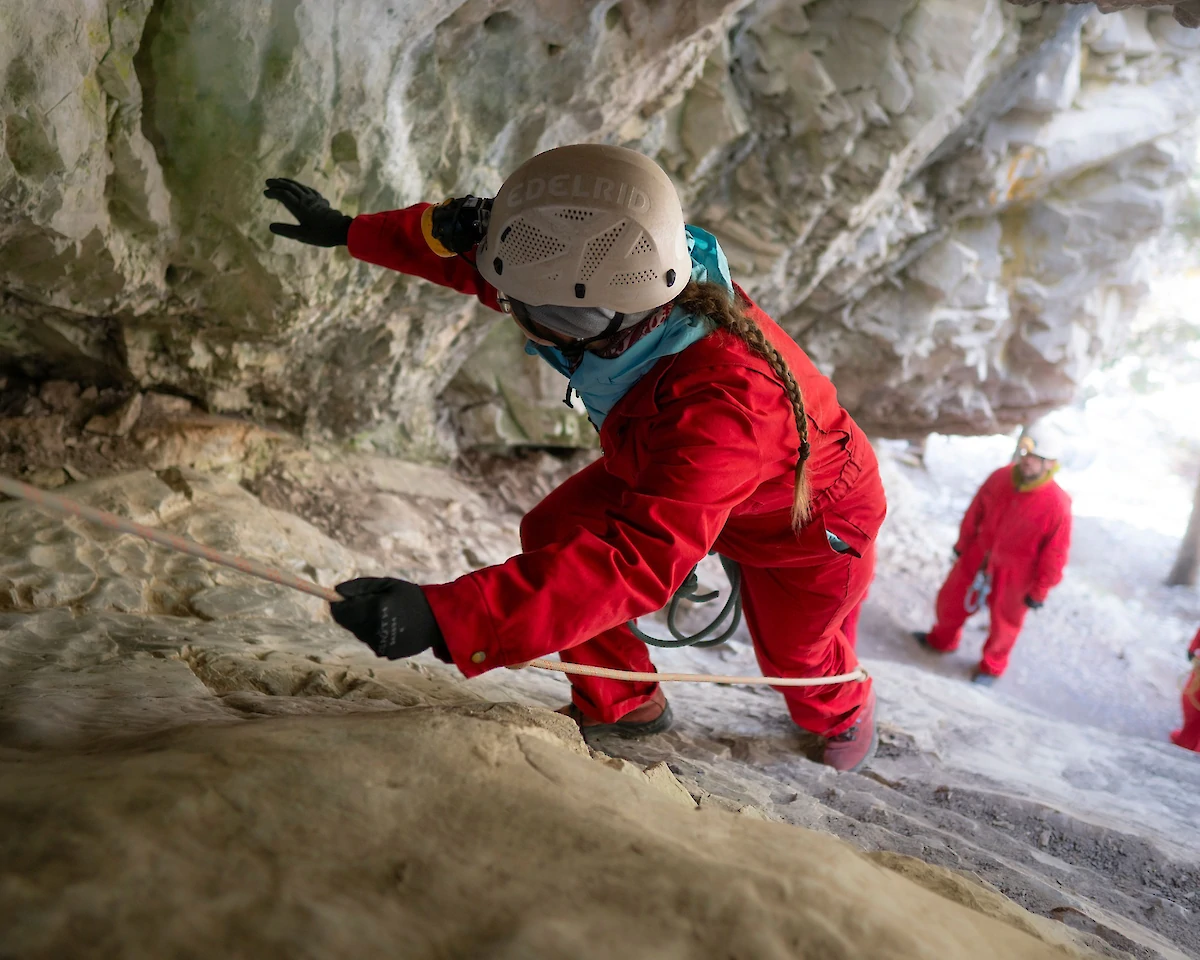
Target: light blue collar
{"type": "Point", "coordinates": [600, 383]}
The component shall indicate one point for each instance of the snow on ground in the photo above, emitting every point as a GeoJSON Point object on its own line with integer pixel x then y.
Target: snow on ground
{"type": "Point", "coordinates": [1108, 648]}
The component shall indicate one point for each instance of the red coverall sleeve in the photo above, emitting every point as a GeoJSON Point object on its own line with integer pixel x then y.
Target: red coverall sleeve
{"type": "Point", "coordinates": [969, 529]}
{"type": "Point", "coordinates": [1052, 558]}
{"type": "Point", "coordinates": [700, 460]}
{"type": "Point", "coordinates": [394, 240]}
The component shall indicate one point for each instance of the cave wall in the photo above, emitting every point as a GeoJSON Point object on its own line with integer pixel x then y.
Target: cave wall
{"type": "Point", "coordinates": [951, 203]}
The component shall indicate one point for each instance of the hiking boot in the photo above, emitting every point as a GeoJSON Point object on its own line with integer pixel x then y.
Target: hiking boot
{"type": "Point", "coordinates": [923, 639]}
{"type": "Point", "coordinates": [983, 678]}
{"type": "Point", "coordinates": [852, 749]}
{"type": "Point", "coordinates": [653, 716]}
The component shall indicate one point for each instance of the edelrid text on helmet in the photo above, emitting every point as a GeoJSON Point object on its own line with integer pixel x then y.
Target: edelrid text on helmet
{"type": "Point", "coordinates": [579, 187]}
{"type": "Point", "coordinates": [587, 225]}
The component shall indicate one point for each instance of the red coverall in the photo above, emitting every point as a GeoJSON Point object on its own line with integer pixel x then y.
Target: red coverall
{"type": "Point", "coordinates": [698, 454]}
{"type": "Point", "coordinates": [1022, 538]}
{"type": "Point", "coordinates": [850, 624]}
{"type": "Point", "coordinates": [1188, 736]}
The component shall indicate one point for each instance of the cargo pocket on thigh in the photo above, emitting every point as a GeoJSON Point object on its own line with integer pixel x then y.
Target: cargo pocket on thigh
{"type": "Point", "coordinates": [838, 545]}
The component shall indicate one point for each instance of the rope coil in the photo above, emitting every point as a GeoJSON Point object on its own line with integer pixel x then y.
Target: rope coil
{"type": "Point", "coordinates": [689, 591]}
{"type": "Point", "coordinates": [72, 508]}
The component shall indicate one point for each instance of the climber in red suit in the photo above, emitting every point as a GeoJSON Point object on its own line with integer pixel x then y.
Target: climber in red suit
{"type": "Point", "coordinates": [1014, 541]}
{"type": "Point", "coordinates": [717, 433]}
{"type": "Point", "coordinates": [1188, 736]}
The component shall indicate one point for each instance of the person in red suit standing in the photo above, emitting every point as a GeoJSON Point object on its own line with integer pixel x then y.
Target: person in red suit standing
{"type": "Point", "coordinates": [717, 432]}
{"type": "Point", "coordinates": [1188, 736]}
{"type": "Point", "coordinates": [1011, 550]}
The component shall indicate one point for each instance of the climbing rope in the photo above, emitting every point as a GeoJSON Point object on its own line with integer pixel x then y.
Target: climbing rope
{"type": "Point", "coordinates": [688, 590]}
{"type": "Point", "coordinates": [71, 508]}
{"type": "Point", "coordinates": [583, 670]}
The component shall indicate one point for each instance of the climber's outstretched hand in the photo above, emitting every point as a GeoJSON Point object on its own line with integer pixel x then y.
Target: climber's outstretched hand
{"type": "Point", "coordinates": [320, 224]}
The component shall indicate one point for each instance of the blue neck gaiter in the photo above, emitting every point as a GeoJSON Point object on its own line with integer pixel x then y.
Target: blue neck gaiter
{"type": "Point", "coordinates": [601, 382]}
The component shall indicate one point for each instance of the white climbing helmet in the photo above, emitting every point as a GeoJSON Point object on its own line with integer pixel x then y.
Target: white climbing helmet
{"type": "Point", "coordinates": [1042, 440]}
{"type": "Point", "coordinates": [587, 225]}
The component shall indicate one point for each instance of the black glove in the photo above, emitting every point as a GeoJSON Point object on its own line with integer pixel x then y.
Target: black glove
{"type": "Point", "coordinates": [392, 617]}
{"type": "Point", "coordinates": [1033, 604]}
{"type": "Point", "coordinates": [320, 224]}
{"type": "Point", "coordinates": [1191, 655]}
{"type": "Point", "coordinates": [957, 552]}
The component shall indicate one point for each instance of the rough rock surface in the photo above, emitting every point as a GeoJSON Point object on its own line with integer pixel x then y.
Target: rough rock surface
{"type": "Point", "coordinates": [258, 785]}
{"type": "Point", "coordinates": [1092, 834]}
{"type": "Point", "coordinates": [965, 234]}
{"type": "Point", "coordinates": [74, 563]}
{"type": "Point", "coordinates": [1186, 12]}
{"type": "Point", "coordinates": [951, 202]}
{"type": "Point", "coordinates": [54, 432]}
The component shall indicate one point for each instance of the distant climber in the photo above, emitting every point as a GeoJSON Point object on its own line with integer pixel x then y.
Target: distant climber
{"type": "Point", "coordinates": [1188, 736]}
{"type": "Point", "coordinates": [716, 428]}
{"type": "Point", "coordinates": [1011, 550]}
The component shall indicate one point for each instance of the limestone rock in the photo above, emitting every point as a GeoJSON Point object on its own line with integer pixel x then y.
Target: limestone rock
{"type": "Point", "coordinates": [1185, 12]}
{"type": "Point", "coordinates": [77, 564]}
{"type": "Point", "coordinates": [59, 395]}
{"type": "Point", "coordinates": [503, 398]}
{"type": "Point", "coordinates": [446, 833]}
{"type": "Point", "coordinates": [136, 143]}
{"type": "Point", "coordinates": [831, 144]}
{"type": "Point", "coordinates": [120, 421]}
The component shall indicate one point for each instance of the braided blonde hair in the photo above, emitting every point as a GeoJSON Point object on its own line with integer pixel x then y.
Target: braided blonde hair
{"type": "Point", "coordinates": [715, 302]}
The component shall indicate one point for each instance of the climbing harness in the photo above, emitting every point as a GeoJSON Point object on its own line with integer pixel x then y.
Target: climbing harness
{"type": "Point", "coordinates": [62, 505]}
{"type": "Point", "coordinates": [733, 605]}
{"type": "Point", "coordinates": [978, 592]}
{"type": "Point", "coordinates": [688, 591]}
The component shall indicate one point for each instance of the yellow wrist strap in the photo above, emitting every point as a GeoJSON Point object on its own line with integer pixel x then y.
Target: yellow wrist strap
{"type": "Point", "coordinates": [427, 232]}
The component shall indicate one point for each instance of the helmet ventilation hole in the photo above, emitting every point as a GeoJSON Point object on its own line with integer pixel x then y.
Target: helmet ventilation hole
{"type": "Point", "coordinates": [525, 243]}
{"type": "Point", "coordinates": [634, 277]}
{"type": "Point", "coordinates": [573, 213]}
{"type": "Point", "coordinates": [598, 248]}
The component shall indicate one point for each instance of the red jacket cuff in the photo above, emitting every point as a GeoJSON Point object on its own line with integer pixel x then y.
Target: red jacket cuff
{"type": "Point", "coordinates": [461, 612]}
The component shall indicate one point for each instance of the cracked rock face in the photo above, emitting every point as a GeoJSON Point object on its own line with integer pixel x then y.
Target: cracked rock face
{"type": "Point", "coordinates": [1186, 12]}
{"type": "Point", "coordinates": [89, 568]}
{"type": "Point", "coordinates": [951, 203]}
